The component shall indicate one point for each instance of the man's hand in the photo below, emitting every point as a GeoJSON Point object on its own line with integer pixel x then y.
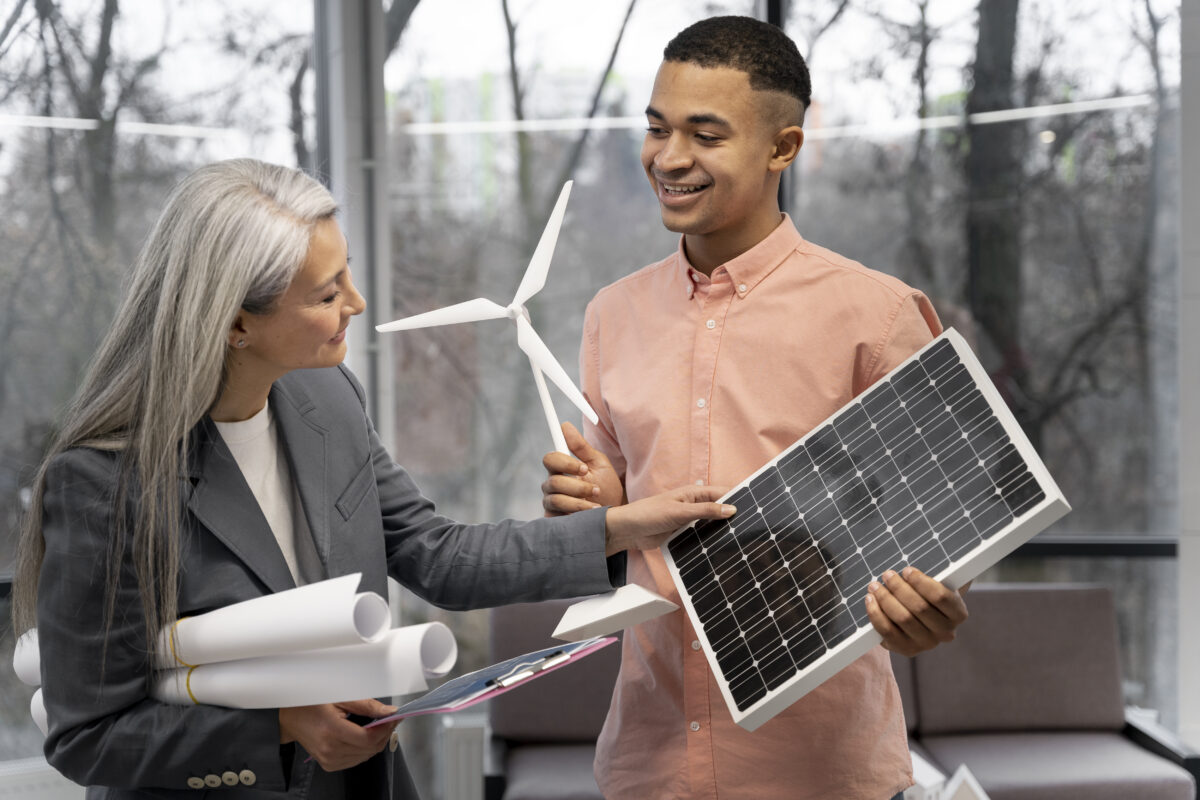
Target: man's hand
{"type": "Point", "coordinates": [645, 524]}
{"type": "Point", "coordinates": [913, 612]}
{"type": "Point", "coordinates": [333, 740]}
{"type": "Point", "coordinates": [585, 481]}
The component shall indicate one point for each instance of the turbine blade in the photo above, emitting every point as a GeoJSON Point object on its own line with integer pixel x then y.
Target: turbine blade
{"type": "Point", "coordinates": [471, 311]}
{"type": "Point", "coordinates": [535, 274]}
{"type": "Point", "coordinates": [543, 359]}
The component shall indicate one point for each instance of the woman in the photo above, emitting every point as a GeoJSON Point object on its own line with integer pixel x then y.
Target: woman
{"type": "Point", "coordinates": [217, 451]}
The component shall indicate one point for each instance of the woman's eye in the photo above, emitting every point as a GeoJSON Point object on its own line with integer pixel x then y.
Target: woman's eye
{"type": "Point", "coordinates": [332, 297]}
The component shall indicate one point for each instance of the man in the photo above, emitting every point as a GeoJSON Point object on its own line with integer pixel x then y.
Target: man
{"type": "Point", "coordinates": [703, 367]}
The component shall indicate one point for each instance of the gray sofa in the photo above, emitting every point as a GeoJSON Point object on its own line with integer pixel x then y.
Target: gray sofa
{"type": "Point", "coordinates": [1028, 697]}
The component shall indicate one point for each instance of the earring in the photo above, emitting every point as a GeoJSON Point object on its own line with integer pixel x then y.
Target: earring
{"type": "Point", "coordinates": [240, 343]}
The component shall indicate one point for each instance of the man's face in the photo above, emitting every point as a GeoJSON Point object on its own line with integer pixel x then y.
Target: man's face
{"type": "Point", "coordinates": [707, 150]}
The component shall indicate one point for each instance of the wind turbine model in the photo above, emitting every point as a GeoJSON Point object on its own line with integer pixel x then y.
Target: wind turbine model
{"type": "Point", "coordinates": [631, 604]}
{"type": "Point", "coordinates": [541, 360]}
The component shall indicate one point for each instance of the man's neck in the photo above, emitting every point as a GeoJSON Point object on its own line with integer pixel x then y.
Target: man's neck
{"type": "Point", "coordinates": [706, 252]}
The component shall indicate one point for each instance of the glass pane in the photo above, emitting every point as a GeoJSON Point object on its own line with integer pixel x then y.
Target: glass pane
{"type": "Point", "coordinates": [1049, 240]}
{"type": "Point", "coordinates": [95, 128]}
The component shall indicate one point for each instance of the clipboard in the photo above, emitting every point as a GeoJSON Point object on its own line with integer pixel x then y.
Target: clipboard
{"type": "Point", "coordinates": [504, 676]}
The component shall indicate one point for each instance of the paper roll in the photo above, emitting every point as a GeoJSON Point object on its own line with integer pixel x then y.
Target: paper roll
{"type": "Point", "coordinates": [27, 662]}
{"type": "Point", "coordinates": [330, 613]}
{"type": "Point", "coordinates": [37, 708]}
{"type": "Point", "coordinates": [397, 663]}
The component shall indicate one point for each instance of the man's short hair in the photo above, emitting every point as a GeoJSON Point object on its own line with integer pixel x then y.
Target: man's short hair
{"type": "Point", "coordinates": [759, 49]}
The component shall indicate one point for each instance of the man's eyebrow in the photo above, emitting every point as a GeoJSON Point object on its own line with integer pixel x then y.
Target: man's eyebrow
{"type": "Point", "coordinates": [694, 119]}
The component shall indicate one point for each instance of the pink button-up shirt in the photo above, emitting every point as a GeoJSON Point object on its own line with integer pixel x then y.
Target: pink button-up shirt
{"type": "Point", "coordinates": [703, 380]}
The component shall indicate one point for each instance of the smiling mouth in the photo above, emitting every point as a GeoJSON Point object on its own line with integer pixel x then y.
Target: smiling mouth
{"type": "Point", "coordinates": [681, 189]}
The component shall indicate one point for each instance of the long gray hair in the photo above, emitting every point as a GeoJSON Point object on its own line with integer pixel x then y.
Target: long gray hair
{"type": "Point", "coordinates": [232, 237]}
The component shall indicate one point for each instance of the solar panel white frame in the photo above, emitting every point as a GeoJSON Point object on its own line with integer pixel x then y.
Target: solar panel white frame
{"type": "Point", "coordinates": [960, 569]}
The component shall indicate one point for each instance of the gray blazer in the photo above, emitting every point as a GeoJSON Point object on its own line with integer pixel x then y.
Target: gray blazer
{"type": "Point", "coordinates": [366, 516]}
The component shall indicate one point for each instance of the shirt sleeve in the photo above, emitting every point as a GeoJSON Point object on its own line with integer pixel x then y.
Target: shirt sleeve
{"type": "Point", "coordinates": [911, 324]}
{"type": "Point", "coordinates": [603, 435]}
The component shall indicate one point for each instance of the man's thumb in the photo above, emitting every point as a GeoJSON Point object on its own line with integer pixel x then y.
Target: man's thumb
{"type": "Point", "coordinates": [577, 444]}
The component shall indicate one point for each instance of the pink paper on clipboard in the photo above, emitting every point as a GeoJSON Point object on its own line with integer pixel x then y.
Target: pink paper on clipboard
{"type": "Point", "coordinates": [475, 687]}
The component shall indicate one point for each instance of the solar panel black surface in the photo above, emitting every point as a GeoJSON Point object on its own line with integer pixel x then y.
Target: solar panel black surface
{"type": "Point", "coordinates": [918, 470]}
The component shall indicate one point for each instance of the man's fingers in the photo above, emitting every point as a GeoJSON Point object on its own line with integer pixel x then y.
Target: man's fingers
{"type": "Point", "coordinates": [557, 463]}
{"type": "Point", "coordinates": [949, 602]}
{"type": "Point", "coordinates": [569, 486]}
{"type": "Point", "coordinates": [557, 504]}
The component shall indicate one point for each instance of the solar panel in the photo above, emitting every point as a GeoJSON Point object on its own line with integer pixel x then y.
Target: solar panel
{"type": "Point", "coordinates": [926, 468]}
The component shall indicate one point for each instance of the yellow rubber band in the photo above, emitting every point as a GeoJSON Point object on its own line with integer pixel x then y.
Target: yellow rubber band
{"type": "Point", "coordinates": [188, 684]}
{"type": "Point", "coordinates": [171, 639]}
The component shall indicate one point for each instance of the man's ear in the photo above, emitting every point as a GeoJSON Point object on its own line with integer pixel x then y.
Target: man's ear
{"type": "Point", "coordinates": [787, 146]}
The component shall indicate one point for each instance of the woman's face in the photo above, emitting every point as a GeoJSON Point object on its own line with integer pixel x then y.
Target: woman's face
{"type": "Point", "coordinates": [307, 328]}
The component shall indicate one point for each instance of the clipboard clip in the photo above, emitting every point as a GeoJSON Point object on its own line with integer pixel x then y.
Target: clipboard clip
{"type": "Point", "coordinates": [522, 672]}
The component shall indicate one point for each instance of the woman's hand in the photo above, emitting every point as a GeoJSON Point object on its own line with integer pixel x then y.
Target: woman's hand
{"type": "Point", "coordinates": [333, 740]}
{"type": "Point", "coordinates": [647, 523]}
{"type": "Point", "coordinates": [579, 482]}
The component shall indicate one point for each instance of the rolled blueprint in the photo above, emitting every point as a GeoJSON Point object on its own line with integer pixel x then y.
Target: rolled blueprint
{"type": "Point", "coordinates": [329, 613]}
{"type": "Point", "coordinates": [398, 663]}
{"type": "Point", "coordinates": [27, 662]}
{"type": "Point", "coordinates": [37, 708]}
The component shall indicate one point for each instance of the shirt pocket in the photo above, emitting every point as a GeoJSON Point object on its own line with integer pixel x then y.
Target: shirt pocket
{"type": "Point", "coordinates": [352, 496]}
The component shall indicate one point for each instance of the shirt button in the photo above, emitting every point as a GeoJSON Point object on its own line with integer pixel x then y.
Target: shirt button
{"type": "Point", "coordinates": [212, 780]}
{"type": "Point", "coordinates": [712, 323]}
{"type": "Point", "coordinates": [741, 288]}
{"type": "Point", "coordinates": [247, 777]}
{"type": "Point", "coordinates": [700, 403]}
{"type": "Point", "coordinates": [695, 726]}
{"type": "Point", "coordinates": [696, 645]}
{"type": "Point", "coordinates": [229, 778]}
{"type": "Point", "coordinates": [195, 782]}
{"type": "Point", "coordinates": [699, 481]}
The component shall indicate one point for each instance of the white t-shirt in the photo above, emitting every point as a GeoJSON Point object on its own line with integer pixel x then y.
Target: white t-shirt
{"type": "Point", "coordinates": [255, 446]}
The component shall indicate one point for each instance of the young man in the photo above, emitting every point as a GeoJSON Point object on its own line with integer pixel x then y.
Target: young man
{"type": "Point", "coordinates": [703, 367]}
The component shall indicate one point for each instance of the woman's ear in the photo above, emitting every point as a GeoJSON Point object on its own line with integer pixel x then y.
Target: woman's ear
{"type": "Point", "coordinates": [238, 336]}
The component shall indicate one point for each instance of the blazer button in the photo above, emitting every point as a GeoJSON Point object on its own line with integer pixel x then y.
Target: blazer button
{"type": "Point", "coordinates": [247, 777]}
{"type": "Point", "coordinates": [195, 782]}
{"type": "Point", "coordinates": [212, 780]}
{"type": "Point", "coordinates": [229, 778]}
{"type": "Point", "coordinates": [394, 741]}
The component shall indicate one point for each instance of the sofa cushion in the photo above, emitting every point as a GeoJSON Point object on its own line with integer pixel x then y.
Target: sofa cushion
{"type": "Point", "coordinates": [1030, 657]}
{"type": "Point", "coordinates": [534, 713]}
{"type": "Point", "coordinates": [1094, 765]}
{"type": "Point", "coordinates": [551, 772]}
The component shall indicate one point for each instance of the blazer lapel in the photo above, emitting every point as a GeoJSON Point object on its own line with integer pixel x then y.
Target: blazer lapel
{"type": "Point", "coordinates": [222, 501]}
{"type": "Point", "coordinates": [303, 432]}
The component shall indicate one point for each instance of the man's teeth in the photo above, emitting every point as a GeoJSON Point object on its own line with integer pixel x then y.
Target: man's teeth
{"type": "Point", "coordinates": [681, 189]}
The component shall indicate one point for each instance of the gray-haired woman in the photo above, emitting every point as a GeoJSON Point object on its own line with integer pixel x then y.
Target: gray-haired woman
{"type": "Point", "coordinates": [218, 451]}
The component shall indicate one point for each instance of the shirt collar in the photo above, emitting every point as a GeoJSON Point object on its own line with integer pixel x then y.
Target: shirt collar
{"type": "Point", "coordinates": [751, 267]}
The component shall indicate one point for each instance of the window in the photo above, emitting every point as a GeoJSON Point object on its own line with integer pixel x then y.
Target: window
{"type": "Point", "coordinates": [100, 113]}
{"type": "Point", "coordinates": [1043, 227]}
